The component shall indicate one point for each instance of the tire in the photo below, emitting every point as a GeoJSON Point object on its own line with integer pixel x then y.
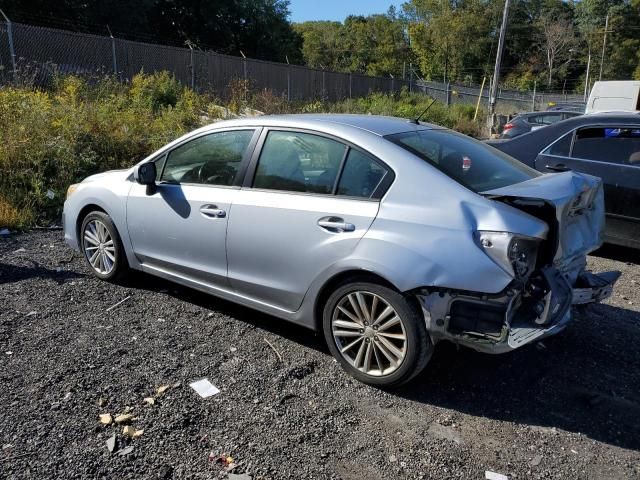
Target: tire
{"type": "Point", "coordinates": [112, 266]}
{"type": "Point", "coordinates": [369, 360]}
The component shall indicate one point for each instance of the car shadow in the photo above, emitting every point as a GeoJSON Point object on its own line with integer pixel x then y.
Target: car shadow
{"type": "Point", "coordinates": [617, 252]}
{"type": "Point", "coordinates": [583, 380]}
{"type": "Point", "coordinates": [269, 323]}
{"type": "Point", "coordinates": [12, 273]}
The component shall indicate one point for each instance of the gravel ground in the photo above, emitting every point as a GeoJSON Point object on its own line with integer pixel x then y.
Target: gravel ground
{"type": "Point", "coordinates": [567, 408]}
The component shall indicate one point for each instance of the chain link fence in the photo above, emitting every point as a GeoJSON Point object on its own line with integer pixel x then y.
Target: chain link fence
{"type": "Point", "coordinates": [507, 101]}
{"type": "Point", "coordinates": [41, 52]}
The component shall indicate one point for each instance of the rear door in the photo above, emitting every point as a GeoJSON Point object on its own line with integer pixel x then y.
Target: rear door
{"type": "Point", "coordinates": [307, 201]}
{"type": "Point", "coordinates": [613, 154]}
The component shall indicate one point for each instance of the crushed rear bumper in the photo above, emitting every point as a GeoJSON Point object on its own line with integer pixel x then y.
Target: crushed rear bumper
{"type": "Point", "coordinates": [518, 316]}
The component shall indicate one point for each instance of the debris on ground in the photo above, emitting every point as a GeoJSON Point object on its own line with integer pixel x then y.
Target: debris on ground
{"type": "Point", "coordinates": [124, 418]}
{"type": "Point", "coordinates": [31, 313]}
{"type": "Point", "coordinates": [132, 432]}
{"type": "Point", "coordinates": [224, 460]}
{"type": "Point", "coordinates": [125, 451]}
{"type": "Point", "coordinates": [20, 250]}
{"type": "Point", "coordinates": [204, 388]}
{"type": "Point", "coordinates": [239, 476]}
{"type": "Point", "coordinates": [162, 389]}
{"type": "Point", "coordinates": [106, 418]}
{"type": "Point", "coordinates": [5, 232]}
{"type": "Point", "coordinates": [535, 461]}
{"type": "Point", "coordinates": [149, 401]}
{"type": "Point", "coordinates": [118, 304]}
{"type": "Point", "coordinates": [489, 475]}
{"type": "Point", "coordinates": [274, 349]}
{"type": "Point", "coordinates": [111, 443]}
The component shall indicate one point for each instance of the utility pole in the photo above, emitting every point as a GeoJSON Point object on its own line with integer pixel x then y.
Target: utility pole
{"type": "Point", "coordinates": [604, 45]}
{"type": "Point", "coordinates": [586, 80]}
{"type": "Point", "coordinates": [496, 72]}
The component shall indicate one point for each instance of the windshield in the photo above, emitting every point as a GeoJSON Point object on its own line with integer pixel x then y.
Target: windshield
{"type": "Point", "coordinates": [470, 162]}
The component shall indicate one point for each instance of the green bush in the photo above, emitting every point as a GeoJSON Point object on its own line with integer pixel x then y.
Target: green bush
{"type": "Point", "coordinates": [55, 137]}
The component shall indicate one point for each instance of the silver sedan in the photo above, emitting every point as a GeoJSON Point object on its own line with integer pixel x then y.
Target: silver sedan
{"type": "Point", "coordinates": [385, 234]}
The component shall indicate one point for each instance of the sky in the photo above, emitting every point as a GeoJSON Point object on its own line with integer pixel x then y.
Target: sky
{"type": "Point", "coordinates": [302, 10]}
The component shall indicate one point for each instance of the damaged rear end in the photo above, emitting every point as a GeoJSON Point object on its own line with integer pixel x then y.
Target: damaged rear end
{"type": "Point", "coordinates": [549, 272]}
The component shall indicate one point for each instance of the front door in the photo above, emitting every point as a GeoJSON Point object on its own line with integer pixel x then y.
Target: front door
{"type": "Point", "coordinates": [180, 226]}
{"type": "Point", "coordinates": [308, 205]}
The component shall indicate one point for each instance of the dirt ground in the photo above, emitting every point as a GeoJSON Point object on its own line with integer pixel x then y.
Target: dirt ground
{"type": "Point", "coordinates": [565, 408]}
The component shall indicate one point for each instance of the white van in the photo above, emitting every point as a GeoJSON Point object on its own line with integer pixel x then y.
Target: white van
{"type": "Point", "coordinates": [614, 95]}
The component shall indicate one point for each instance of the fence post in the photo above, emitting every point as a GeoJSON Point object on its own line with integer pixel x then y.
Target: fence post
{"type": "Point", "coordinates": [244, 65]}
{"type": "Point", "coordinates": [12, 51]}
{"type": "Point", "coordinates": [448, 87]}
{"type": "Point", "coordinates": [324, 90]}
{"type": "Point", "coordinates": [288, 79]}
{"type": "Point", "coordinates": [192, 66]}
{"type": "Point", "coordinates": [113, 52]}
{"type": "Point", "coordinates": [533, 101]}
{"type": "Point", "coordinates": [411, 77]}
{"type": "Point", "coordinates": [349, 84]}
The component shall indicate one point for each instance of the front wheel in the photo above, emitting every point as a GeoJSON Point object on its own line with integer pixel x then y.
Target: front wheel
{"type": "Point", "coordinates": [102, 247]}
{"type": "Point", "coordinates": [377, 334]}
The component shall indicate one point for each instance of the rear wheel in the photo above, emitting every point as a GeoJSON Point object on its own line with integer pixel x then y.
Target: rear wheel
{"type": "Point", "coordinates": [377, 334]}
{"type": "Point", "coordinates": [102, 247]}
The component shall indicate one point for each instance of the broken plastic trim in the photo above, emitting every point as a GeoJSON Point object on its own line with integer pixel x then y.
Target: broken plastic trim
{"type": "Point", "coordinates": [501, 322]}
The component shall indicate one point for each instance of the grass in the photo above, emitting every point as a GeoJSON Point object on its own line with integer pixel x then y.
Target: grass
{"type": "Point", "coordinates": [52, 138]}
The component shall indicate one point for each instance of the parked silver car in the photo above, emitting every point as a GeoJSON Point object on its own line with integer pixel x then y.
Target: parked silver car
{"type": "Point", "coordinates": [386, 234]}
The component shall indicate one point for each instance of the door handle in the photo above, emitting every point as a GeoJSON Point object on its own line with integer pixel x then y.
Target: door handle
{"type": "Point", "coordinates": [336, 225]}
{"type": "Point", "coordinates": [560, 167]}
{"type": "Point", "coordinates": [212, 211]}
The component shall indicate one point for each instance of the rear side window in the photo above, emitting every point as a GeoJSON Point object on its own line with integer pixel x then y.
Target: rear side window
{"type": "Point", "coordinates": [299, 162]}
{"type": "Point", "coordinates": [561, 147]}
{"type": "Point", "coordinates": [613, 145]}
{"type": "Point", "coordinates": [361, 175]}
{"type": "Point", "coordinates": [470, 162]}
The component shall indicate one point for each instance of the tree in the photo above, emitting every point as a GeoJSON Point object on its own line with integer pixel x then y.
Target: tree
{"type": "Point", "coordinates": [259, 29]}
{"type": "Point", "coordinates": [557, 40]}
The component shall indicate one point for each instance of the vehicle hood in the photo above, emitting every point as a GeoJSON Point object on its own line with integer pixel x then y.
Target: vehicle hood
{"type": "Point", "coordinates": [578, 210]}
{"type": "Point", "coordinates": [103, 175]}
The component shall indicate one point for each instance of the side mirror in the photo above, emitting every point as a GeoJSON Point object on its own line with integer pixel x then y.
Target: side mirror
{"type": "Point", "coordinates": [145, 174]}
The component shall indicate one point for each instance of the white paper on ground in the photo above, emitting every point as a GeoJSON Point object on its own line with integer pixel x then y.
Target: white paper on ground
{"type": "Point", "coordinates": [489, 475]}
{"type": "Point", "coordinates": [204, 388]}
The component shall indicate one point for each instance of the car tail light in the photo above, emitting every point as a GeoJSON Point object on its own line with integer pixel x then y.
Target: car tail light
{"type": "Point", "coordinates": [507, 126]}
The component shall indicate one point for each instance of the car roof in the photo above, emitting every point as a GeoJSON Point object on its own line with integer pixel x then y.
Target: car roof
{"type": "Point", "coordinates": [526, 147]}
{"type": "Point", "coordinates": [547, 112]}
{"type": "Point", "coordinates": [376, 124]}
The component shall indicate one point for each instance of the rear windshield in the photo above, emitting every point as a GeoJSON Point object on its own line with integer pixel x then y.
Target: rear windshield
{"type": "Point", "coordinates": [470, 162]}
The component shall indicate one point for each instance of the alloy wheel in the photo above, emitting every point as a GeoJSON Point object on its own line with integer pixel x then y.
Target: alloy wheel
{"type": "Point", "coordinates": [99, 247]}
{"type": "Point", "coordinates": [369, 333]}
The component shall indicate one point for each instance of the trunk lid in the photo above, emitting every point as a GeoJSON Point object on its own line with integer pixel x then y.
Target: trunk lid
{"type": "Point", "coordinates": [577, 203]}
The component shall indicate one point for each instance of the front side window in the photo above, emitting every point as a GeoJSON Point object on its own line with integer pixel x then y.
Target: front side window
{"type": "Point", "coordinates": [608, 144]}
{"type": "Point", "coordinates": [470, 162]}
{"type": "Point", "coordinates": [299, 162]}
{"type": "Point", "coordinates": [212, 159]}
